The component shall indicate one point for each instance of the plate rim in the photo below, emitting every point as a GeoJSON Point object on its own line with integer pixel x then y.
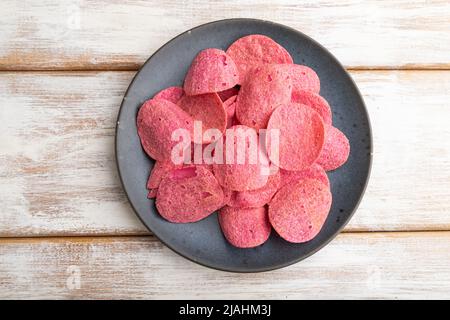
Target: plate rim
{"type": "Point", "coordinates": [275, 266]}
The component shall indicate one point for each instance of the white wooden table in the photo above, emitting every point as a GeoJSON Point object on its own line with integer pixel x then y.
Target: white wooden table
{"type": "Point", "coordinates": [66, 228]}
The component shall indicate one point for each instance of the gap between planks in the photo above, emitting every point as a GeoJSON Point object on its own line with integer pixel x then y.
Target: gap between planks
{"type": "Point", "coordinates": [414, 67]}
{"type": "Point", "coordinates": [99, 237]}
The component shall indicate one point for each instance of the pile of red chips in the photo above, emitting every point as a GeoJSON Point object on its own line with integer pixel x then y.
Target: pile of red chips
{"type": "Point", "coordinates": [254, 85]}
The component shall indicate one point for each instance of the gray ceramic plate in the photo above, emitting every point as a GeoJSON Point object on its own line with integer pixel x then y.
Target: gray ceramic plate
{"type": "Point", "coordinates": [203, 241]}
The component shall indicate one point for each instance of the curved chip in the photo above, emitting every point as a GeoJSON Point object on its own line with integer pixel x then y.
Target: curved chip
{"type": "Point", "coordinates": [230, 107]}
{"type": "Point", "coordinates": [173, 94]}
{"type": "Point", "coordinates": [259, 197]}
{"type": "Point", "coordinates": [227, 94]}
{"type": "Point", "coordinates": [212, 70]}
{"type": "Point", "coordinates": [298, 211]}
{"type": "Point", "coordinates": [229, 101]}
{"type": "Point", "coordinates": [254, 50]}
{"type": "Point", "coordinates": [336, 149]}
{"type": "Point", "coordinates": [207, 108]}
{"type": "Point", "coordinates": [301, 136]}
{"type": "Point", "coordinates": [152, 193]}
{"type": "Point", "coordinates": [245, 168]}
{"type": "Point", "coordinates": [245, 228]}
{"type": "Point", "coordinates": [159, 170]}
{"type": "Point", "coordinates": [188, 195]}
{"type": "Point", "coordinates": [313, 172]}
{"type": "Point", "coordinates": [266, 88]}
{"type": "Point", "coordinates": [303, 78]}
{"type": "Point", "coordinates": [315, 101]}
{"type": "Point", "coordinates": [227, 194]}
{"type": "Point", "coordinates": [156, 121]}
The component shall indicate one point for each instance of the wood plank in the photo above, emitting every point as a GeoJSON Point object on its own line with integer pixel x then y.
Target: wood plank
{"type": "Point", "coordinates": [410, 178]}
{"type": "Point", "coordinates": [351, 266]}
{"type": "Point", "coordinates": [121, 35]}
{"type": "Point", "coordinates": [57, 166]}
{"type": "Point", "coordinates": [58, 174]}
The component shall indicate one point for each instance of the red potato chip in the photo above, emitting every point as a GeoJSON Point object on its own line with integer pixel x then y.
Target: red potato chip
{"type": "Point", "coordinates": [209, 167]}
{"type": "Point", "coordinates": [173, 94]}
{"type": "Point", "coordinates": [303, 78]}
{"type": "Point", "coordinates": [259, 197]}
{"type": "Point", "coordinates": [227, 94]}
{"type": "Point", "coordinates": [231, 111]}
{"type": "Point", "coordinates": [313, 172]}
{"type": "Point", "coordinates": [203, 159]}
{"type": "Point", "coordinates": [245, 228]}
{"type": "Point", "coordinates": [301, 136]}
{"type": "Point", "coordinates": [336, 149]}
{"type": "Point", "coordinates": [266, 88]}
{"type": "Point", "coordinates": [159, 170]}
{"type": "Point", "coordinates": [246, 167]}
{"type": "Point", "coordinates": [230, 107]}
{"type": "Point", "coordinates": [315, 101]}
{"type": "Point", "coordinates": [227, 194]}
{"type": "Point", "coordinates": [298, 211]}
{"type": "Point", "coordinates": [157, 120]}
{"type": "Point", "coordinates": [229, 101]}
{"type": "Point", "coordinates": [235, 121]}
{"type": "Point", "coordinates": [255, 50]}
{"type": "Point", "coordinates": [207, 108]}
{"type": "Point", "coordinates": [152, 193]}
{"type": "Point", "coordinates": [188, 195]}
{"type": "Point", "coordinates": [202, 155]}
{"type": "Point", "coordinates": [212, 70]}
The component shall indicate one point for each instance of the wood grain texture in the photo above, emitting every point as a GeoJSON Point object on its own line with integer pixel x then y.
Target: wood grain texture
{"type": "Point", "coordinates": [410, 183]}
{"type": "Point", "coordinates": [351, 266]}
{"type": "Point", "coordinates": [57, 166]}
{"type": "Point", "coordinates": [76, 34]}
{"type": "Point", "coordinates": [58, 173]}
